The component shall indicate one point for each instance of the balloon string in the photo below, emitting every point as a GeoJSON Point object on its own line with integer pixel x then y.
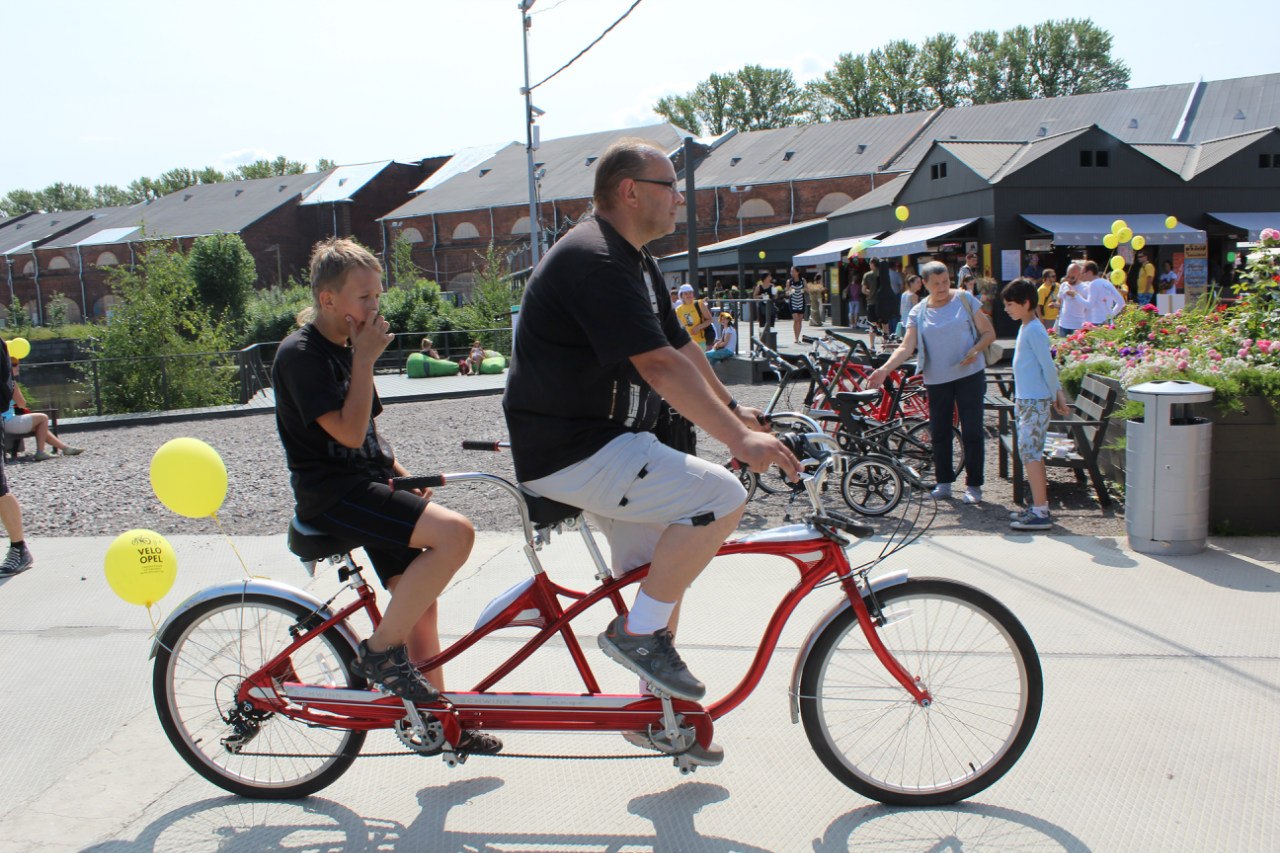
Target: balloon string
{"type": "Point", "coordinates": [154, 617]}
{"type": "Point", "coordinates": [243, 565]}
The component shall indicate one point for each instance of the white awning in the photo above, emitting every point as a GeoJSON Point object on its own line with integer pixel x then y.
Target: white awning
{"type": "Point", "coordinates": [1089, 229]}
{"type": "Point", "coordinates": [1251, 222]}
{"type": "Point", "coordinates": [830, 251]}
{"type": "Point", "coordinates": [913, 241]}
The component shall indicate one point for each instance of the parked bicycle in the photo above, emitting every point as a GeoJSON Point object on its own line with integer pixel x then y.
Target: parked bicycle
{"type": "Point", "coordinates": [912, 691]}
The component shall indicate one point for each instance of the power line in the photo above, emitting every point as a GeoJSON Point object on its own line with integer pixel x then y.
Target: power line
{"type": "Point", "coordinates": [588, 47]}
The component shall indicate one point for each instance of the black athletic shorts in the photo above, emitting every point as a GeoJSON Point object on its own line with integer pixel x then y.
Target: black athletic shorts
{"type": "Point", "coordinates": [380, 520]}
{"type": "Point", "coordinates": [4, 484]}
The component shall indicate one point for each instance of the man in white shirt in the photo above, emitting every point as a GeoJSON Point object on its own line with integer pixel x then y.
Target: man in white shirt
{"type": "Point", "coordinates": [1073, 300]}
{"type": "Point", "coordinates": [1105, 301]}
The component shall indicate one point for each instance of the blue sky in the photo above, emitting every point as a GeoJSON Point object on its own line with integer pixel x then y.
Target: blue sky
{"type": "Point", "coordinates": [106, 92]}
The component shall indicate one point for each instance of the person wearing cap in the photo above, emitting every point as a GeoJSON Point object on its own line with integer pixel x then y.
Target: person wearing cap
{"type": "Point", "coordinates": [694, 317]}
{"type": "Point", "coordinates": [726, 341]}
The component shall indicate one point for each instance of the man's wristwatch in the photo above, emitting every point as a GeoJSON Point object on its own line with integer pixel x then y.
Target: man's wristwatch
{"type": "Point", "coordinates": [733, 404]}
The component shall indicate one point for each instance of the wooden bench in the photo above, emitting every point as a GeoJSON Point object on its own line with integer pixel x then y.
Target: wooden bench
{"type": "Point", "coordinates": [1087, 425]}
{"type": "Point", "coordinates": [13, 443]}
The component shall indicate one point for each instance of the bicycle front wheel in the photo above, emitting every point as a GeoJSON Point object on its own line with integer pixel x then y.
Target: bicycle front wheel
{"type": "Point", "coordinates": [871, 486]}
{"type": "Point", "coordinates": [978, 664]}
{"type": "Point", "coordinates": [204, 657]}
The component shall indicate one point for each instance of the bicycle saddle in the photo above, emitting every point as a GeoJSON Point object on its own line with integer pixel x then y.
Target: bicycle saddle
{"type": "Point", "coordinates": [544, 512]}
{"type": "Point", "coordinates": [310, 543]}
{"type": "Point", "coordinates": [857, 398]}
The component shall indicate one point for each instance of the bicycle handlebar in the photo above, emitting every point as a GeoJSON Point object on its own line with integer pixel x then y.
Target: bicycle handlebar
{"type": "Point", "coordinates": [492, 446]}
{"type": "Point", "coordinates": [425, 481]}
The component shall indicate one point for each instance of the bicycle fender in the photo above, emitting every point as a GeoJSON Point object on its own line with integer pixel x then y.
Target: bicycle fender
{"type": "Point", "coordinates": [260, 586]}
{"type": "Point", "coordinates": [877, 584]}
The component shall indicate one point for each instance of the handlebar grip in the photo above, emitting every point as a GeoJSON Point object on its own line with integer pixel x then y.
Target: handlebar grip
{"type": "Point", "coordinates": [427, 481]}
{"type": "Point", "coordinates": [492, 446]}
{"type": "Point", "coordinates": [808, 339]}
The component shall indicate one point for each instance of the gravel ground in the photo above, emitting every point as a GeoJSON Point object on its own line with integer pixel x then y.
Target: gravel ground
{"type": "Point", "coordinates": [107, 490]}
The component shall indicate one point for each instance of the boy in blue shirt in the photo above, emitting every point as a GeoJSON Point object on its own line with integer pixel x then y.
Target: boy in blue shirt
{"type": "Point", "coordinates": [1035, 379]}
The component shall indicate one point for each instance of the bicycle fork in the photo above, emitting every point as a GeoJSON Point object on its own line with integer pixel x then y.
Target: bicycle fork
{"type": "Point", "coordinates": [869, 623]}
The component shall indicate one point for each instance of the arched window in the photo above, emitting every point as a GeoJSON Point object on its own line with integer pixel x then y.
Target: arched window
{"type": "Point", "coordinates": [107, 259]}
{"type": "Point", "coordinates": [412, 235]}
{"type": "Point", "coordinates": [466, 231]}
{"type": "Point", "coordinates": [104, 306]}
{"type": "Point", "coordinates": [59, 263]}
{"type": "Point", "coordinates": [755, 207]}
{"type": "Point", "coordinates": [30, 307]}
{"type": "Point", "coordinates": [29, 268]}
{"type": "Point", "coordinates": [462, 283]}
{"type": "Point", "coordinates": [832, 201]}
{"type": "Point", "coordinates": [521, 226]}
{"type": "Point", "coordinates": [70, 310]}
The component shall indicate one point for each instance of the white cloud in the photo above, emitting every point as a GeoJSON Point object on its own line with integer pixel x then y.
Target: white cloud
{"type": "Point", "coordinates": [234, 159]}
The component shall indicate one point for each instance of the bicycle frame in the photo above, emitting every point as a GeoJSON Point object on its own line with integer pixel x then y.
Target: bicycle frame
{"type": "Point", "coordinates": [536, 602]}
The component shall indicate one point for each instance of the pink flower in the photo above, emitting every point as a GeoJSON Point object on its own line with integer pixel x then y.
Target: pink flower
{"type": "Point", "coordinates": [1149, 308]}
{"type": "Point", "coordinates": [1269, 234]}
{"type": "Point", "coordinates": [1246, 343]}
{"type": "Point", "coordinates": [1267, 346]}
{"type": "Point", "coordinates": [1182, 364]}
{"type": "Point", "coordinates": [1151, 337]}
{"type": "Point", "coordinates": [1243, 353]}
{"type": "Point", "coordinates": [1182, 330]}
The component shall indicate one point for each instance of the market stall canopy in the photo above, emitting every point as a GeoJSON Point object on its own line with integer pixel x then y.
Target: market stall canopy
{"type": "Point", "coordinates": [1251, 222]}
{"type": "Point", "coordinates": [913, 241]}
{"type": "Point", "coordinates": [1089, 229]}
{"type": "Point", "coordinates": [779, 245]}
{"type": "Point", "coordinates": [830, 251]}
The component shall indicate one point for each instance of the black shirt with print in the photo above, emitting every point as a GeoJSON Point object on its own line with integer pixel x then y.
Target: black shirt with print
{"type": "Point", "coordinates": [593, 302]}
{"type": "Point", "coordinates": [310, 376]}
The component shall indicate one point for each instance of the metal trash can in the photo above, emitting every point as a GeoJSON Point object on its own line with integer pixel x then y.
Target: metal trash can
{"type": "Point", "coordinates": [1167, 469]}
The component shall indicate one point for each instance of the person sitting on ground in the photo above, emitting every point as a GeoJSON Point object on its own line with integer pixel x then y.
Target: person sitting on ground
{"type": "Point", "coordinates": [19, 420]}
{"type": "Point", "coordinates": [726, 342]}
{"type": "Point", "coordinates": [18, 558]}
{"type": "Point", "coordinates": [1035, 377]}
{"type": "Point", "coordinates": [429, 349]}
{"type": "Point", "coordinates": [339, 465]}
{"type": "Point", "coordinates": [476, 357]}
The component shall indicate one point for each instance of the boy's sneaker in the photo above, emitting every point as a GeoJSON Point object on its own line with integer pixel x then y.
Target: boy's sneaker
{"type": "Point", "coordinates": [475, 742]}
{"type": "Point", "coordinates": [703, 756]}
{"type": "Point", "coordinates": [394, 671]}
{"type": "Point", "coordinates": [972, 495]}
{"type": "Point", "coordinates": [652, 657]}
{"type": "Point", "coordinates": [72, 451]}
{"type": "Point", "coordinates": [40, 456]}
{"type": "Point", "coordinates": [1031, 520]}
{"type": "Point", "coordinates": [17, 561]}
{"type": "Point", "coordinates": [941, 492]}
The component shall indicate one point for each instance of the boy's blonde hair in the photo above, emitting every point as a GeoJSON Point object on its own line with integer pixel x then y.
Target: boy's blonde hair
{"type": "Point", "coordinates": [331, 260]}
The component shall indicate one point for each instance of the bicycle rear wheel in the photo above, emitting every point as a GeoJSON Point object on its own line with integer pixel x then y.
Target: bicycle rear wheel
{"type": "Point", "coordinates": [204, 657]}
{"type": "Point", "coordinates": [871, 487]}
{"type": "Point", "coordinates": [915, 447]}
{"type": "Point", "coordinates": [978, 664]}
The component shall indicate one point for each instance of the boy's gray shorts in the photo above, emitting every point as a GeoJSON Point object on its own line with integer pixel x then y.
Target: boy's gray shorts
{"type": "Point", "coordinates": [633, 510]}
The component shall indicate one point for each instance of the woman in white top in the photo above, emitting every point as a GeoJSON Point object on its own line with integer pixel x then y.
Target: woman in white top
{"type": "Point", "coordinates": [952, 333]}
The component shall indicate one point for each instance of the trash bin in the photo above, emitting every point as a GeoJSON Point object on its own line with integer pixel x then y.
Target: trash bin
{"type": "Point", "coordinates": [1167, 469]}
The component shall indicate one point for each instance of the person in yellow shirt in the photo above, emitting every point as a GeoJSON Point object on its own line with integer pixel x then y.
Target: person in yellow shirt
{"type": "Point", "coordinates": [1047, 294]}
{"type": "Point", "coordinates": [1146, 280]}
{"type": "Point", "coordinates": [694, 317]}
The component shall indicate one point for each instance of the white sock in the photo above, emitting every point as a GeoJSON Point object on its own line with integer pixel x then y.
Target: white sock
{"type": "Point", "coordinates": [648, 615]}
{"type": "Point", "coordinates": [1042, 510]}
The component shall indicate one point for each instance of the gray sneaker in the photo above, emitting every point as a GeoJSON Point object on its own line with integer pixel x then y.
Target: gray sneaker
{"type": "Point", "coordinates": [1031, 520]}
{"type": "Point", "coordinates": [17, 561]}
{"type": "Point", "coordinates": [393, 670]}
{"type": "Point", "coordinates": [652, 657]}
{"type": "Point", "coordinates": [72, 451]}
{"type": "Point", "coordinates": [703, 756]}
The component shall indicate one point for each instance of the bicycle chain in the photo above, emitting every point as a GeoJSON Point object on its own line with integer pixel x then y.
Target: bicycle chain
{"type": "Point", "coordinates": [402, 754]}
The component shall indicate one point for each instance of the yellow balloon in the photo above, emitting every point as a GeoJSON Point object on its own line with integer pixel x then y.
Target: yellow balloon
{"type": "Point", "coordinates": [1117, 277]}
{"type": "Point", "coordinates": [1125, 235]}
{"type": "Point", "coordinates": [902, 212]}
{"type": "Point", "coordinates": [188, 477]}
{"type": "Point", "coordinates": [1138, 242]}
{"type": "Point", "coordinates": [140, 566]}
{"type": "Point", "coordinates": [1117, 262]}
{"type": "Point", "coordinates": [762, 254]}
{"type": "Point", "coordinates": [1110, 241]}
{"type": "Point", "coordinates": [19, 348]}
{"type": "Point", "coordinates": [1171, 222]}
{"type": "Point", "coordinates": [1118, 226]}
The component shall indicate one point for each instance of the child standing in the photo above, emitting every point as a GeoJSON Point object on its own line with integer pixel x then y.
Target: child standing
{"type": "Point", "coordinates": [339, 467]}
{"type": "Point", "coordinates": [1035, 379]}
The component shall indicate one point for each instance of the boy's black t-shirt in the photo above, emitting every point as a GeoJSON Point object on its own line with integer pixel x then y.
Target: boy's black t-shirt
{"type": "Point", "coordinates": [311, 375]}
{"type": "Point", "coordinates": [593, 302]}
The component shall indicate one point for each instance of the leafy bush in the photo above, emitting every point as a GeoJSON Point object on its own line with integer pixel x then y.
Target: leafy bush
{"type": "Point", "coordinates": [224, 273]}
{"type": "Point", "coordinates": [271, 315]}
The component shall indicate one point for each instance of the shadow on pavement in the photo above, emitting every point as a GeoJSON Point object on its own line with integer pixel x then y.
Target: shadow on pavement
{"type": "Point", "coordinates": [971, 827]}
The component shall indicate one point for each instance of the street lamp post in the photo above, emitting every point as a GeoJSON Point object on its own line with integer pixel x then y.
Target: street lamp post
{"type": "Point", "coordinates": [530, 114]}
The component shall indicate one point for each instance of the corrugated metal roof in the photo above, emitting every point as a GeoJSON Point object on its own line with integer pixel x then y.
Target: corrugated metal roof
{"type": "Point", "coordinates": [462, 161]}
{"type": "Point", "coordinates": [106, 236]}
{"type": "Point", "coordinates": [1230, 107]}
{"type": "Point", "coordinates": [203, 209]}
{"type": "Point", "coordinates": [20, 235]}
{"type": "Point", "coordinates": [1213, 152]}
{"type": "Point", "coordinates": [827, 150]}
{"type": "Point", "coordinates": [985, 158]}
{"type": "Point", "coordinates": [882, 196]}
{"type": "Point", "coordinates": [1173, 155]}
{"type": "Point", "coordinates": [503, 179]}
{"type": "Point", "coordinates": [343, 182]}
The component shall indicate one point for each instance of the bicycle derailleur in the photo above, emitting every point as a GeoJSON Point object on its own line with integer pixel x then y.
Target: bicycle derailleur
{"type": "Point", "coordinates": [245, 722]}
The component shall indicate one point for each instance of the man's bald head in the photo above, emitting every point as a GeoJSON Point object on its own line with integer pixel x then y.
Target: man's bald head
{"type": "Point", "coordinates": [626, 158]}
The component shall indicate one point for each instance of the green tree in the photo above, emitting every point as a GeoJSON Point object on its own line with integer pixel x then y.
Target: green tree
{"type": "Point", "coordinates": [272, 314]}
{"type": "Point", "coordinates": [56, 315]}
{"type": "Point", "coordinates": [942, 69]}
{"type": "Point", "coordinates": [324, 164]}
{"type": "Point", "coordinates": [268, 169]}
{"type": "Point", "coordinates": [681, 111]}
{"type": "Point", "coordinates": [492, 294]}
{"type": "Point", "coordinates": [224, 273]}
{"type": "Point", "coordinates": [16, 202]}
{"type": "Point", "coordinates": [894, 74]}
{"type": "Point", "coordinates": [159, 315]}
{"type": "Point", "coordinates": [109, 195]}
{"type": "Point", "coordinates": [1073, 57]}
{"type": "Point", "coordinates": [752, 98]}
{"type": "Point", "coordinates": [19, 320]}
{"type": "Point", "coordinates": [846, 91]}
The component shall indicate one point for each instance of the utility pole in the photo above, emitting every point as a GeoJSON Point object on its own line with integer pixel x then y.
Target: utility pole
{"type": "Point", "coordinates": [531, 143]}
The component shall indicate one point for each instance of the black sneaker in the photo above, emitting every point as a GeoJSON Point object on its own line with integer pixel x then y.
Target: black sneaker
{"type": "Point", "coordinates": [653, 657]}
{"type": "Point", "coordinates": [17, 561]}
{"type": "Point", "coordinates": [395, 672]}
{"type": "Point", "coordinates": [475, 742]}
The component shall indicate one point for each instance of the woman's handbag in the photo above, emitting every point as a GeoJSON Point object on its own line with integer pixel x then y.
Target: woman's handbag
{"type": "Point", "coordinates": [994, 352]}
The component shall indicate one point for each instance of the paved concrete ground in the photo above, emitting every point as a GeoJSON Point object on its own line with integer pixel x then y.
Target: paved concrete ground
{"type": "Point", "coordinates": [1159, 729]}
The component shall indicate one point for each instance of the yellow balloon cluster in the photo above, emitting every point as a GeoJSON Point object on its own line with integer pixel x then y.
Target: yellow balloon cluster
{"type": "Point", "coordinates": [140, 566]}
{"type": "Point", "coordinates": [1138, 242]}
{"type": "Point", "coordinates": [189, 478]}
{"type": "Point", "coordinates": [19, 348]}
{"type": "Point", "coordinates": [1111, 241]}
{"type": "Point", "coordinates": [1117, 276]}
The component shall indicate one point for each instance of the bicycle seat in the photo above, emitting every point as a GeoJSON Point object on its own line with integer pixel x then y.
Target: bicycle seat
{"type": "Point", "coordinates": [544, 511]}
{"type": "Point", "coordinates": [310, 543]}
{"type": "Point", "coordinates": [858, 398]}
